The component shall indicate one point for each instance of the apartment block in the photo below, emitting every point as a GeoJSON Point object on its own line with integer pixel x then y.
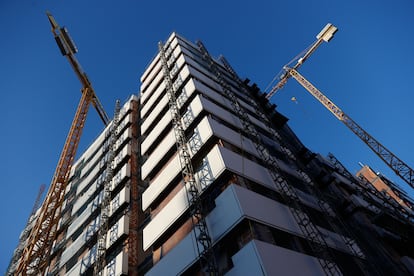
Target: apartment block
{"type": "Point", "coordinates": [209, 179]}
{"type": "Point", "coordinates": [271, 206]}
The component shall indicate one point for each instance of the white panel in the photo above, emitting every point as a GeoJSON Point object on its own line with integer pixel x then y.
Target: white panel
{"type": "Point", "coordinates": [119, 229]}
{"type": "Point", "coordinates": [248, 106]}
{"type": "Point", "coordinates": [84, 215]}
{"type": "Point", "coordinates": [195, 107]}
{"type": "Point", "coordinates": [122, 197]}
{"type": "Point", "coordinates": [148, 91]}
{"type": "Point", "coordinates": [126, 151]}
{"type": "Point", "coordinates": [127, 119]}
{"type": "Point", "coordinates": [335, 240]}
{"type": "Point", "coordinates": [260, 258]}
{"type": "Point", "coordinates": [84, 197]}
{"type": "Point", "coordinates": [204, 133]}
{"type": "Point", "coordinates": [204, 78]}
{"type": "Point", "coordinates": [247, 262]}
{"type": "Point", "coordinates": [247, 168]}
{"type": "Point", "coordinates": [123, 173]}
{"type": "Point", "coordinates": [146, 107]}
{"type": "Point", "coordinates": [180, 257]}
{"type": "Point", "coordinates": [75, 270]}
{"type": "Point", "coordinates": [261, 208]}
{"type": "Point", "coordinates": [125, 135]}
{"type": "Point", "coordinates": [86, 235]}
{"type": "Point", "coordinates": [156, 68]}
{"type": "Point", "coordinates": [257, 122]}
{"type": "Point", "coordinates": [233, 137]}
{"type": "Point", "coordinates": [177, 206]}
{"type": "Point", "coordinates": [93, 165]}
{"type": "Point", "coordinates": [117, 266]}
{"type": "Point", "coordinates": [149, 68]}
{"type": "Point", "coordinates": [308, 199]}
{"type": "Point", "coordinates": [154, 113]}
{"type": "Point", "coordinates": [128, 105]}
{"type": "Point", "coordinates": [155, 132]}
{"type": "Point", "coordinates": [221, 113]}
{"type": "Point", "coordinates": [173, 210]}
{"type": "Point", "coordinates": [232, 206]}
{"type": "Point", "coordinates": [157, 154]}
{"type": "Point", "coordinates": [225, 215]}
{"type": "Point", "coordinates": [161, 181]}
{"type": "Point", "coordinates": [94, 146]}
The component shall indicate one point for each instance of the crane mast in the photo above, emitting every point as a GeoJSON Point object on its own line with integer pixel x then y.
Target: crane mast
{"type": "Point", "coordinates": [35, 257]}
{"type": "Point", "coordinates": [401, 168]}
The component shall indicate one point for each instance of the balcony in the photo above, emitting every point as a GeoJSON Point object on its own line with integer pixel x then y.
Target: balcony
{"type": "Point", "coordinates": [260, 258]}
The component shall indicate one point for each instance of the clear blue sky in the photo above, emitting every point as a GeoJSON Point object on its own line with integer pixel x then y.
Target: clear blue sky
{"type": "Point", "coordinates": [367, 69]}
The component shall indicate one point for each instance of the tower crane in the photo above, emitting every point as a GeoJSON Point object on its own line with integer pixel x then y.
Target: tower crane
{"type": "Point", "coordinates": [35, 257]}
{"type": "Point", "coordinates": [401, 168]}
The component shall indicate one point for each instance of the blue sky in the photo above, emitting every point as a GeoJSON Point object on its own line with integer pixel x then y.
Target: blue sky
{"type": "Point", "coordinates": [366, 70]}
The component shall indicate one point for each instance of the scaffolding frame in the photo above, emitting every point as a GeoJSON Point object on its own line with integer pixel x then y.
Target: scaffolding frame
{"type": "Point", "coordinates": [308, 228]}
{"type": "Point", "coordinates": [193, 189]}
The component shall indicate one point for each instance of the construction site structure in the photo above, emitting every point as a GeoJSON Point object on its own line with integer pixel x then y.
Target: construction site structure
{"type": "Point", "coordinates": [24, 235]}
{"type": "Point", "coordinates": [402, 169]}
{"type": "Point", "coordinates": [270, 205]}
{"type": "Point", "coordinates": [36, 253]}
{"type": "Point", "coordinates": [262, 204]}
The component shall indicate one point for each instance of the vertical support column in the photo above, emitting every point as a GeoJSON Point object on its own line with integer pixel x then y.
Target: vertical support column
{"type": "Point", "coordinates": [136, 216]}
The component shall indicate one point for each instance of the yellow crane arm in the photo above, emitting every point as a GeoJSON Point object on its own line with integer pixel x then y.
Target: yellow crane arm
{"type": "Point", "coordinates": [325, 35]}
{"type": "Point", "coordinates": [396, 164]}
{"type": "Point", "coordinates": [69, 49]}
{"type": "Point", "coordinates": [36, 254]}
{"type": "Point", "coordinates": [34, 259]}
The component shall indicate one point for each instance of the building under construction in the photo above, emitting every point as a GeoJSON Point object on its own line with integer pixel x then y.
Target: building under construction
{"type": "Point", "coordinates": [205, 177]}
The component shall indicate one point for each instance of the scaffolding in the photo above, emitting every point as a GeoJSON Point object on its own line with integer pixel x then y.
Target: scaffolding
{"type": "Point", "coordinates": [308, 228]}
{"type": "Point", "coordinates": [193, 190]}
{"type": "Point", "coordinates": [106, 200]}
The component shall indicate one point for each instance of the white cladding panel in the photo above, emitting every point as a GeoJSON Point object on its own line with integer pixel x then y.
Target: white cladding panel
{"type": "Point", "coordinates": [204, 133]}
{"type": "Point", "coordinates": [117, 266]}
{"type": "Point", "coordinates": [161, 181]}
{"type": "Point", "coordinates": [260, 258]}
{"type": "Point", "coordinates": [247, 168]}
{"type": "Point", "coordinates": [92, 227]}
{"type": "Point", "coordinates": [154, 113]}
{"type": "Point", "coordinates": [232, 137]}
{"type": "Point", "coordinates": [154, 70]}
{"type": "Point", "coordinates": [84, 197]}
{"type": "Point", "coordinates": [146, 107]}
{"type": "Point", "coordinates": [122, 197]}
{"type": "Point", "coordinates": [120, 228]}
{"type": "Point", "coordinates": [157, 154]}
{"type": "Point", "coordinates": [75, 224]}
{"type": "Point", "coordinates": [232, 206]}
{"type": "Point", "coordinates": [218, 159]}
{"type": "Point", "coordinates": [178, 205]}
{"type": "Point", "coordinates": [150, 69]}
{"type": "Point", "coordinates": [155, 132]}
{"type": "Point", "coordinates": [180, 257]}
{"type": "Point", "coordinates": [150, 88]}
{"type": "Point", "coordinates": [164, 219]}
